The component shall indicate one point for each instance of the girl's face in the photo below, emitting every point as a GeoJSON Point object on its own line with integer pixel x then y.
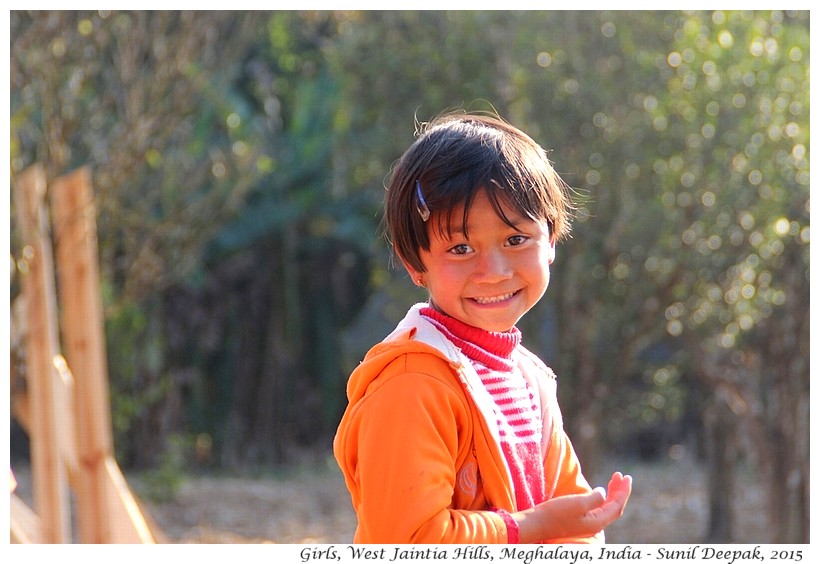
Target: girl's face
{"type": "Point", "coordinates": [491, 279]}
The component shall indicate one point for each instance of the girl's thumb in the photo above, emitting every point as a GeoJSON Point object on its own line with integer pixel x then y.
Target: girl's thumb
{"type": "Point", "coordinates": [597, 497]}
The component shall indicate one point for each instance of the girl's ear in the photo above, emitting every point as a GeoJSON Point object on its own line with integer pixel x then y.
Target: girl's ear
{"type": "Point", "coordinates": [551, 251]}
{"type": "Point", "coordinates": [416, 276]}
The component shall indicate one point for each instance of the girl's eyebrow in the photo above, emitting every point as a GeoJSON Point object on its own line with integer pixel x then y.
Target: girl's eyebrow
{"type": "Point", "coordinates": [446, 230]}
{"type": "Point", "coordinates": [463, 229]}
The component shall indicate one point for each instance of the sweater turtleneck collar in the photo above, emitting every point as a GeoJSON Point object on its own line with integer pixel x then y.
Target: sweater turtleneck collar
{"type": "Point", "coordinates": [498, 344]}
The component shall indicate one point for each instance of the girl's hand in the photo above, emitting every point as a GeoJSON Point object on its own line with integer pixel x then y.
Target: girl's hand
{"type": "Point", "coordinates": [579, 515]}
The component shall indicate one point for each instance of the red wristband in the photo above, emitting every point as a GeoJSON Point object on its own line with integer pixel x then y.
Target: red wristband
{"type": "Point", "coordinates": [512, 526]}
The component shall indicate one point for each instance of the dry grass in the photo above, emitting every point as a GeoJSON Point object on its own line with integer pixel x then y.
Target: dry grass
{"type": "Point", "coordinates": [310, 504]}
{"type": "Point", "coordinates": [670, 505]}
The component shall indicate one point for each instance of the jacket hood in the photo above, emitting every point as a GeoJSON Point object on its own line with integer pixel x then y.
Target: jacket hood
{"type": "Point", "coordinates": [413, 334]}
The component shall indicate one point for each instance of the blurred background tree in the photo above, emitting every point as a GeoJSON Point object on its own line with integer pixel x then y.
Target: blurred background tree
{"type": "Point", "coordinates": [239, 164]}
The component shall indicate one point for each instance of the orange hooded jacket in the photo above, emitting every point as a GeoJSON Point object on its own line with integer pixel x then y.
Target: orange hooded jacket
{"type": "Point", "coordinates": [420, 450]}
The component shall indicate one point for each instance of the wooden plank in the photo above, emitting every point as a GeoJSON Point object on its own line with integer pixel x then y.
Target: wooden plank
{"type": "Point", "coordinates": [65, 416]}
{"type": "Point", "coordinates": [25, 526]}
{"type": "Point", "coordinates": [75, 228]}
{"type": "Point", "coordinates": [127, 524]}
{"type": "Point", "coordinates": [37, 281]}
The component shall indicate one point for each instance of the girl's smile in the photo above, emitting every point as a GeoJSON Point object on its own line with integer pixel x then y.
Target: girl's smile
{"type": "Point", "coordinates": [491, 273]}
{"type": "Point", "coordinates": [495, 300]}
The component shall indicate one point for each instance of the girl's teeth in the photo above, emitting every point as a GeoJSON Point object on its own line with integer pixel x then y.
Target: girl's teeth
{"type": "Point", "coordinates": [495, 299]}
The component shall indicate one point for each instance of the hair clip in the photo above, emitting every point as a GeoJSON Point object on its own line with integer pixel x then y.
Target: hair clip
{"type": "Point", "coordinates": [424, 211]}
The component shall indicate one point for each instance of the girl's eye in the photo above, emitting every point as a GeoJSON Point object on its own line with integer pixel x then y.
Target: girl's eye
{"type": "Point", "coordinates": [516, 240]}
{"type": "Point", "coordinates": [461, 249]}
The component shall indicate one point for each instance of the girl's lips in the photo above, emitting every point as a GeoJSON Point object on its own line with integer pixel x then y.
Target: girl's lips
{"type": "Point", "coordinates": [494, 299]}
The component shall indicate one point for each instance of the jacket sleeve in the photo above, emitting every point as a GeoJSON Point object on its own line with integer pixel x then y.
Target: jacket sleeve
{"type": "Point", "coordinates": [569, 479]}
{"type": "Point", "coordinates": [401, 446]}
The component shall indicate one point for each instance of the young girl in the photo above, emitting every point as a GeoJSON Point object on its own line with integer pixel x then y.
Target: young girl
{"type": "Point", "coordinates": [453, 433]}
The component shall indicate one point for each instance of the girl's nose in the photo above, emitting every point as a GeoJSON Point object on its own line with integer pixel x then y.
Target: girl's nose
{"type": "Point", "coordinates": [492, 266]}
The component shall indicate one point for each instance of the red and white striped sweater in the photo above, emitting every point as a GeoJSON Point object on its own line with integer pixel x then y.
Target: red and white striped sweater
{"type": "Point", "coordinates": [516, 411]}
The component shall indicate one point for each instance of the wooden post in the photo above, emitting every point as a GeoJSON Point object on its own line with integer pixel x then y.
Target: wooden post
{"type": "Point", "coordinates": [106, 510]}
{"type": "Point", "coordinates": [42, 344]}
{"type": "Point", "coordinates": [74, 223]}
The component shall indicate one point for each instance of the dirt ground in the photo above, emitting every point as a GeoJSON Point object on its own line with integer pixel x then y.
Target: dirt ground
{"type": "Point", "coordinates": [309, 504]}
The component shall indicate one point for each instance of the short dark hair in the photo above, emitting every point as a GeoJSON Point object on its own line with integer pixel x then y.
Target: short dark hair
{"type": "Point", "coordinates": [454, 157]}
